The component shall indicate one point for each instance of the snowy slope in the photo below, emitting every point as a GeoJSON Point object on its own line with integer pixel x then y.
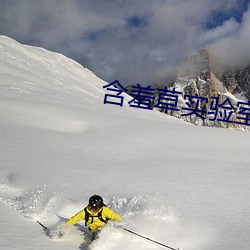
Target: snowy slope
{"type": "Point", "coordinates": [182, 185]}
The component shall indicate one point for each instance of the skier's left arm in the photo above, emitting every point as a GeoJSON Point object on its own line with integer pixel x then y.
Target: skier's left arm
{"type": "Point", "coordinates": [111, 215]}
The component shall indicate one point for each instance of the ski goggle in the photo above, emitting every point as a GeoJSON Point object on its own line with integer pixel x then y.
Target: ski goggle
{"type": "Point", "coordinates": [94, 208]}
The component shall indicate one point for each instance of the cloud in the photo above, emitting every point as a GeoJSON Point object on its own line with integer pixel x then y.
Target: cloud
{"type": "Point", "coordinates": [132, 41]}
{"type": "Point", "coordinates": [228, 28]}
{"type": "Point", "coordinates": [232, 50]}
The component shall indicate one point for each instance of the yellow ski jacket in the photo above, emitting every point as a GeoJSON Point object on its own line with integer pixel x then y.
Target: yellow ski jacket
{"type": "Point", "coordinates": [94, 223]}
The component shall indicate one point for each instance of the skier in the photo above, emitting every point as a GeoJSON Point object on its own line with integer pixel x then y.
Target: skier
{"type": "Point", "coordinates": [95, 214]}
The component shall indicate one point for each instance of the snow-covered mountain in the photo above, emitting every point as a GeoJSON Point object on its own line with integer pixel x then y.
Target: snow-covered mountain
{"type": "Point", "coordinates": [217, 95]}
{"type": "Point", "coordinates": [182, 185]}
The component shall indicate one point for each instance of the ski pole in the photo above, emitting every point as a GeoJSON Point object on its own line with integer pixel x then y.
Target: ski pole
{"type": "Point", "coordinates": [45, 228]}
{"type": "Point", "coordinates": [146, 238]}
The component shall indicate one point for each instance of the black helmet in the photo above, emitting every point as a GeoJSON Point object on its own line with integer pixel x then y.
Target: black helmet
{"type": "Point", "coordinates": [96, 202]}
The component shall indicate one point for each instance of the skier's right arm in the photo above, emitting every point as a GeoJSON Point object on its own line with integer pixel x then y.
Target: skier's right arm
{"type": "Point", "coordinates": [77, 217]}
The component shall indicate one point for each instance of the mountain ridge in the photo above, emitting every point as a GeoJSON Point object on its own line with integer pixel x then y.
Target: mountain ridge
{"type": "Point", "coordinates": [200, 77]}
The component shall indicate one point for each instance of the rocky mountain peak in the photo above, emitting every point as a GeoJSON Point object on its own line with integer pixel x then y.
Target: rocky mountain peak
{"type": "Point", "coordinates": [204, 95]}
{"type": "Point", "coordinates": [197, 76]}
{"type": "Point", "coordinates": [196, 64]}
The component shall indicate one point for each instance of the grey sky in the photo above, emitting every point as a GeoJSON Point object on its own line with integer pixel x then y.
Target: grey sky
{"type": "Point", "coordinates": [133, 41]}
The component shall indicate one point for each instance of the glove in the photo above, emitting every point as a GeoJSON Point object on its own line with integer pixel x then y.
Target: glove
{"type": "Point", "coordinates": [60, 234]}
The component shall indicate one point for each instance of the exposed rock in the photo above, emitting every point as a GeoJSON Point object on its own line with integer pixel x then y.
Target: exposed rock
{"type": "Point", "coordinates": [196, 78]}
{"type": "Point", "coordinates": [203, 95]}
{"type": "Point", "coordinates": [237, 81]}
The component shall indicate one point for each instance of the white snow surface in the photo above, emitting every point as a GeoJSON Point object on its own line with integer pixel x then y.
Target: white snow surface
{"type": "Point", "coordinates": [182, 185]}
